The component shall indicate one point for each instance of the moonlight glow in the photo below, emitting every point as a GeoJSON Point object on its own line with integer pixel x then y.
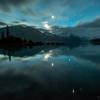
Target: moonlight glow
{"type": "Point", "coordinates": [46, 25]}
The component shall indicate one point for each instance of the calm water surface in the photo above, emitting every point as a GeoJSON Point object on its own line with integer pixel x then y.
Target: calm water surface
{"type": "Point", "coordinates": [51, 73]}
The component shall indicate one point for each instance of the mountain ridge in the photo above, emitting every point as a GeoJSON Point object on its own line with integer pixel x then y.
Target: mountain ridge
{"type": "Point", "coordinates": [31, 33]}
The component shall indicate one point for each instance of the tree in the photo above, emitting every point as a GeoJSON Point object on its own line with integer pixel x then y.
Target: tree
{"type": "Point", "coordinates": [3, 35]}
{"type": "Point", "coordinates": [7, 32]}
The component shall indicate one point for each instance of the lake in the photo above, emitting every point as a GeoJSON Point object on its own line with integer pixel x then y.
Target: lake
{"type": "Point", "coordinates": [51, 73]}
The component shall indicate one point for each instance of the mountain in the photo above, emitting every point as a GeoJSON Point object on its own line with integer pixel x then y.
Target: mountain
{"type": "Point", "coordinates": [88, 29]}
{"type": "Point", "coordinates": [31, 33]}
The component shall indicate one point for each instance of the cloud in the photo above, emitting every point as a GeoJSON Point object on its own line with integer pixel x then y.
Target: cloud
{"type": "Point", "coordinates": [66, 12]}
{"type": "Point", "coordinates": [6, 5]}
{"type": "Point", "coordinates": [93, 24]}
{"type": "Point", "coordinates": [28, 11]}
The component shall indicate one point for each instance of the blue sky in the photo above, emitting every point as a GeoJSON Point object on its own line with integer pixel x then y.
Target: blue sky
{"type": "Point", "coordinates": [49, 12]}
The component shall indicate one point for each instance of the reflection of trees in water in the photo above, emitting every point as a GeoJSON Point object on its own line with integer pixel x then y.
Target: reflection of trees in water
{"type": "Point", "coordinates": [22, 50]}
{"type": "Point", "coordinates": [9, 47]}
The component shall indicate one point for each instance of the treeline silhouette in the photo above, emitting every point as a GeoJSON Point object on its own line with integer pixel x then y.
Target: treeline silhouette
{"type": "Point", "coordinates": [7, 39]}
{"type": "Point", "coordinates": [95, 41]}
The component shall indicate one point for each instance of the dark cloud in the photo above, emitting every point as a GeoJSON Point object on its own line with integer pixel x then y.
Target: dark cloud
{"type": "Point", "coordinates": [7, 4]}
{"type": "Point", "coordinates": [2, 24]}
{"type": "Point", "coordinates": [16, 22]}
{"type": "Point", "coordinates": [23, 20]}
{"type": "Point", "coordinates": [28, 11]}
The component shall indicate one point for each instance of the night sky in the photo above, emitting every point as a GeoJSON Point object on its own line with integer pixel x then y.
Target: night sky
{"type": "Point", "coordinates": [46, 13]}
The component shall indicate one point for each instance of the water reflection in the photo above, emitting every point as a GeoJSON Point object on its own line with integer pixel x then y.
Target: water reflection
{"type": "Point", "coordinates": [51, 73]}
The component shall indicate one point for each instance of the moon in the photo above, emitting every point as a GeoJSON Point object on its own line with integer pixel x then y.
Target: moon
{"type": "Point", "coordinates": [52, 17]}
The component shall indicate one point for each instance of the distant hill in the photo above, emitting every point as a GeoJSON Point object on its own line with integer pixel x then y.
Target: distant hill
{"type": "Point", "coordinates": [87, 29]}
